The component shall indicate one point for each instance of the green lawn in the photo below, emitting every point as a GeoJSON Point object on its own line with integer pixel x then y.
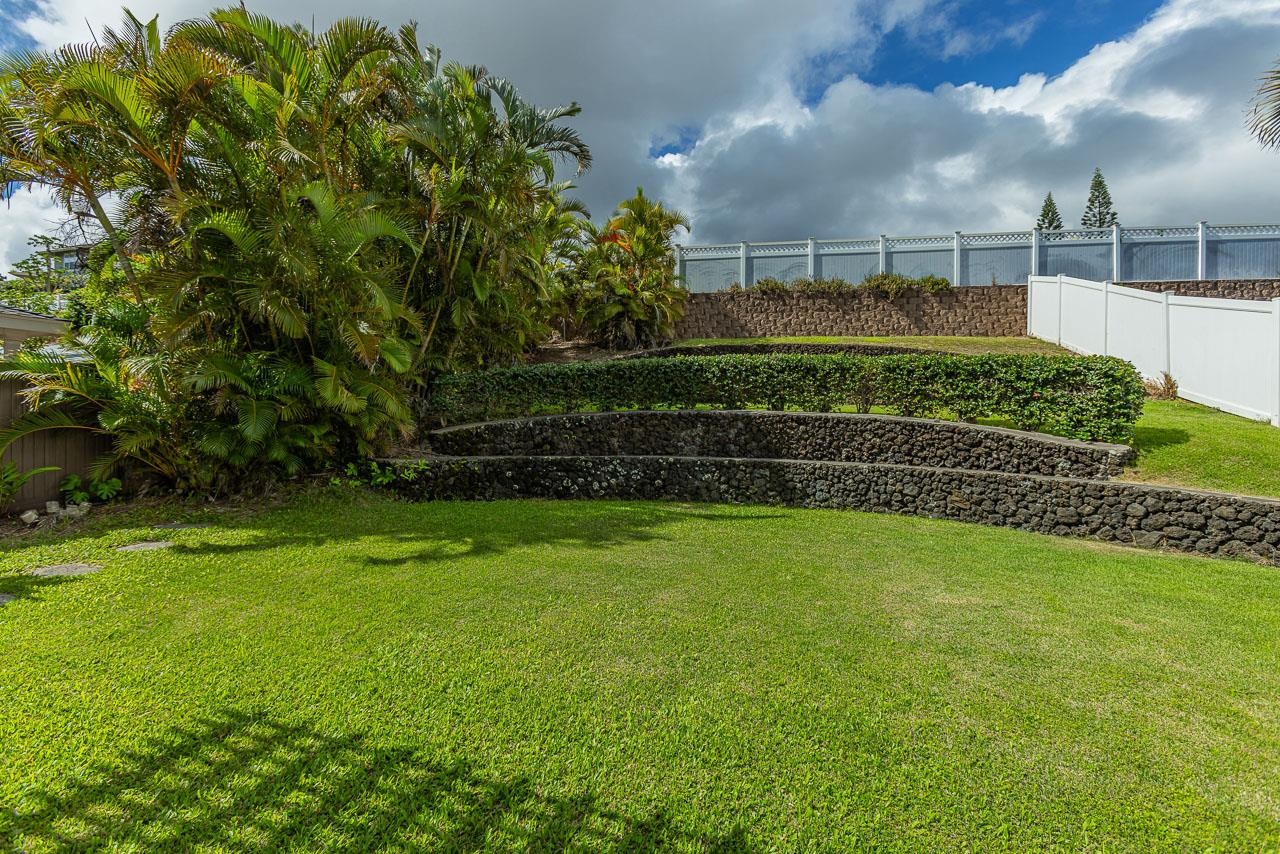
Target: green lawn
{"type": "Point", "coordinates": [943, 343]}
{"type": "Point", "coordinates": [344, 672]}
{"type": "Point", "coordinates": [1187, 444]}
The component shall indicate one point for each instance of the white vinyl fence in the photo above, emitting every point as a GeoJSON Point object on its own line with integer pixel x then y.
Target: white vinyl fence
{"type": "Point", "coordinates": [1223, 353]}
{"type": "Point", "coordinates": [1134, 254]}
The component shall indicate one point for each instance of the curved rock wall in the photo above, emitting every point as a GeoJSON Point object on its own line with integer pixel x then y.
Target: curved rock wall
{"type": "Point", "coordinates": [1150, 516]}
{"type": "Point", "coordinates": [785, 435]}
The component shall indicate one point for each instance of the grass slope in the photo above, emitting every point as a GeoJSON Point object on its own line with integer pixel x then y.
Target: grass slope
{"type": "Point", "coordinates": [942, 343]}
{"type": "Point", "coordinates": [349, 672]}
{"type": "Point", "coordinates": [1188, 444]}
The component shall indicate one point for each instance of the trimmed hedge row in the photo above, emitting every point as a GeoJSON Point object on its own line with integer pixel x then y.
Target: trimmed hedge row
{"type": "Point", "coordinates": [1082, 397]}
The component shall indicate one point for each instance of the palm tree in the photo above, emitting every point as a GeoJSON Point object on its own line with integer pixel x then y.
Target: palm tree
{"type": "Point", "coordinates": [634, 298]}
{"type": "Point", "coordinates": [1264, 116]}
{"type": "Point", "coordinates": [308, 223]}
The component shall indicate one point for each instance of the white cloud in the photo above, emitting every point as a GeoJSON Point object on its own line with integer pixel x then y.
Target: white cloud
{"type": "Point", "coordinates": [1160, 110]}
{"type": "Point", "coordinates": [27, 213]}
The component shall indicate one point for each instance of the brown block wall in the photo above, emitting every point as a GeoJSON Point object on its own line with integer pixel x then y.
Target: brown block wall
{"type": "Point", "coordinates": [984, 310]}
{"type": "Point", "coordinates": [1261, 289]}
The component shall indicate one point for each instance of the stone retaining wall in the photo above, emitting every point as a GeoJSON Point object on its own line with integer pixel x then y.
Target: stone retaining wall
{"type": "Point", "coordinates": [785, 435]}
{"type": "Point", "coordinates": [1149, 516]}
{"type": "Point", "coordinates": [1257, 289]}
{"type": "Point", "coordinates": [985, 310]}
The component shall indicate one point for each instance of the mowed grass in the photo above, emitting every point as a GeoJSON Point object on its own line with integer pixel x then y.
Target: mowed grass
{"type": "Point", "coordinates": [350, 672]}
{"type": "Point", "coordinates": [1186, 444]}
{"type": "Point", "coordinates": [940, 343]}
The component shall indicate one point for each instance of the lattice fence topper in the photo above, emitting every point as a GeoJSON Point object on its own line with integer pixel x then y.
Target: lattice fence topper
{"type": "Point", "coordinates": [1242, 230]}
{"type": "Point", "coordinates": [997, 238]}
{"type": "Point", "coordinates": [1153, 253]}
{"type": "Point", "coordinates": [1160, 232]}
{"type": "Point", "coordinates": [833, 246]}
{"type": "Point", "coordinates": [1099, 235]}
{"type": "Point", "coordinates": [930, 242]}
{"type": "Point", "coordinates": [718, 250]}
{"type": "Point", "coordinates": [778, 248]}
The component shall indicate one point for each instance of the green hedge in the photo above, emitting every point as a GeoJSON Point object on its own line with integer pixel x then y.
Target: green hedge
{"type": "Point", "coordinates": [1084, 397]}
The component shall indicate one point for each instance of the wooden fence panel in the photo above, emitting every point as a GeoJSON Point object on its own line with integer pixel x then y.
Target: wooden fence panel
{"type": "Point", "coordinates": [72, 451]}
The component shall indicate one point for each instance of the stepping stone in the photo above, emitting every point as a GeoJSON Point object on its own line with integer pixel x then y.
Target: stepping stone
{"type": "Point", "coordinates": [60, 569]}
{"type": "Point", "coordinates": [182, 526]}
{"type": "Point", "coordinates": [146, 546]}
{"type": "Point", "coordinates": [6, 598]}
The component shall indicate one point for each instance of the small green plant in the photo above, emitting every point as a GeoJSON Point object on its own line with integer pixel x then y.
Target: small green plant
{"type": "Point", "coordinates": [895, 285]}
{"type": "Point", "coordinates": [770, 285]}
{"type": "Point", "coordinates": [934, 284]}
{"type": "Point", "coordinates": [802, 285]}
{"type": "Point", "coordinates": [12, 480]}
{"type": "Point", "coordinates": [76, 490]}
{"type": "Point", "coordinates": [887, 285]}
{"type": "Point", "coordinates": [823, 285]}
{"type": "Point", "coordinates": [369, 473]}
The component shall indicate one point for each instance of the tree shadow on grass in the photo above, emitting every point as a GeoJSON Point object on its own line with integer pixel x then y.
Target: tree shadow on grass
{"type": "Point", "coordinates": [240, 781]}
{"type": "Point", "coordinates": [472, 529]}
{"type": "Point", "coordinates": [1150, 438]}
{"type": "Point", "coordinates": [24, 586]}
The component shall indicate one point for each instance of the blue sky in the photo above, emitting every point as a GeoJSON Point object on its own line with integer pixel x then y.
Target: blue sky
{"type": "Point", "coordinates": [966, 41]}
{"type": "Point", "coordinates": [12, 13]}
{"type": "Point", "coordinates": [993, 42]}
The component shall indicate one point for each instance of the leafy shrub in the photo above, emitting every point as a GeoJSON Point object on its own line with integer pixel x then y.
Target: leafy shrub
{"type": "Point", "coordinates": [770, 285]}
{"type": "Point", "coordinates": [933, 284]}
{"type": "Point", "coordinates": [887, 285]}
{"type": "Point", "coordinates": [823, 285]}
{"type": "Point", "coordinates": [894, 285]}
{"type": "Point", "coordinates": [76, 490]}
{"type": "Point", "coordinates": [802, 285]}
{"type": "Point", "coordinates": [12, 480]}
{"type": "Point", "coordinates": [1084, 397]}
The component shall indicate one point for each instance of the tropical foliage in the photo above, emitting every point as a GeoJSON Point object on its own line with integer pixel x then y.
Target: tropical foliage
{"type": "Point", "coordinates": [302, 227]}
{"type": "Point", "coordinates": [630, 295]}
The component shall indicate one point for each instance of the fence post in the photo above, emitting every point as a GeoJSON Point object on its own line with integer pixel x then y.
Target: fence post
{"type": "Point", "coordinates": [1202, 251]}
{"type": "Point", "coordinates": [744, 249]}
{"type": "Point", "coordinates": [678, 251]}
{"type": "Point", "coordinates": [1031, 288]}
{"type": "Point", "coordinates": [883, 255]}
{"type": "Point", "coordinates": [1059, 309]}
{"type": "Point", "coordinates": [1168, 351]}
{"type": "Point", "coordinates": [1035, 251]}
{"type": "Point", "coordinates": [1106, 318]}
{"type": "Point", "coordinates": [1275, 360]}
{"type": "Point", "coordinates": [813, 258]}
{"type": "Point", "coordinates": [955, 261]}
{"type": "Point", "coordinates": [1115, 253]}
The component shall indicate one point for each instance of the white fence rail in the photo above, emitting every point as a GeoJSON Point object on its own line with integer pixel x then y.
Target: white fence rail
{"type": "Point", "coordinates": [1223, 353]}
{"type": "Point", "coordinates": [1147, 253]}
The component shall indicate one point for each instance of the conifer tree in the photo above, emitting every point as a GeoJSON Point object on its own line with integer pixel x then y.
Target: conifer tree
{"type": "Point", "coordinates": [1050, 219]}
{"type": "Point", "coordinates": [1098, 212]}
